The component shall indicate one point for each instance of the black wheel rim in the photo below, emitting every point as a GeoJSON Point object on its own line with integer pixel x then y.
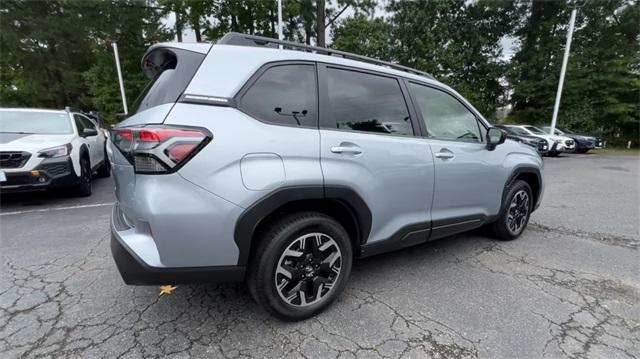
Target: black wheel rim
{"type": "Point", "coordinates": [308, 269]}
{"type": "Point", "coordinates": [518, 212]}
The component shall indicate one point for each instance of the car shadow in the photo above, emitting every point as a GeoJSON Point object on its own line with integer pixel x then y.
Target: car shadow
{"type": "Point", "coordinates": [393, 266]}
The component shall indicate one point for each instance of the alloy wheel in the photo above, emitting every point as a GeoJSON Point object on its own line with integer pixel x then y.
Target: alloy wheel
{"type": "Point", "coordinates": [518, 212]}
{"type": "Point", "coordinates": [308, 269]}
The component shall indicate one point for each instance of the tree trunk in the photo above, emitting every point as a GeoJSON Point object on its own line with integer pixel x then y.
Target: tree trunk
{"type": "Point", "coordinates": [179, 26]}
{"type": "Point", "coordinates": [320, 29]}
{"type": "Point", "coordinates": [196, 29]}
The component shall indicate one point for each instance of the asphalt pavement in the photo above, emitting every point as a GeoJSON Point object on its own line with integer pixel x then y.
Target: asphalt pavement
{"type": "Point", "coordinates": [569, 287]}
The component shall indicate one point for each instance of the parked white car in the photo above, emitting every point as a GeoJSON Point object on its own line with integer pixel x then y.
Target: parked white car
{"type": "Point", "coordinates": [41, 149]}
{"type": "Point", "coordinates": [557, 144]}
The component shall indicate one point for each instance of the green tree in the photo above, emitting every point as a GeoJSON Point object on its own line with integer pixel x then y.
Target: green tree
{"type": "Point", "coordinates": [45, 51]}
{"type": "Point", "coordinates": [602, 86]}
{"type": "Point", "coordinates": [458, 42]}
{"type": "Point", "coordinates": [134, 26]}
{"type": "Point", "coordinates": [364, 36]}
{"type": "Point", "coordinates": [58, 53]}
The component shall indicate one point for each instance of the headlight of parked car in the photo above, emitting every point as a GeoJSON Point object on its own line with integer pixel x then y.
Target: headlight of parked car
{"type": "Point", "coordinates": [58, 151]}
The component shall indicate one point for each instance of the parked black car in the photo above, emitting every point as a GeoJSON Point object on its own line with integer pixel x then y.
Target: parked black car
{"type": "Point", "coordinates": [584, 143]}
{"type": "Point", "coordinates": [536, 142]}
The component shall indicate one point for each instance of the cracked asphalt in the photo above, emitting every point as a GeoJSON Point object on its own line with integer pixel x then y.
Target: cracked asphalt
{"type": "Point", "coordinates": [569, 287]}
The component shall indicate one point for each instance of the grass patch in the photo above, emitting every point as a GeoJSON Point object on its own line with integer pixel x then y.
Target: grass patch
{"type": "Point", "coordinates": [618, 151]}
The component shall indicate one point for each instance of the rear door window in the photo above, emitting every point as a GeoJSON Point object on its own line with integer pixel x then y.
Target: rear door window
{"type": "Point", "coordinates": [285, 95]}
{"type": "Point", "coordinates": [171, 71]}
{"type": "Point", "coordinates": [367, 103]}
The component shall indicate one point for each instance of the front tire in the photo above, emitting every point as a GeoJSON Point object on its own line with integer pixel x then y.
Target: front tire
{"type": "Point", "coordinates": [515, 213]}
{"type": "Point", "coordinates": [83, 188]}
{"type": "Point", "coordinates": [301, 265]}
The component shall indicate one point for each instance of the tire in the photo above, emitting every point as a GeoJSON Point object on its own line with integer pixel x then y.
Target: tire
{"type": "Point", "coordinates": [83, 188]}
{"type": "Point", "coordinates": [513, 220]}
{"type": "Point", "coordinates": [291, 246]}
{"type": "Point", "coordinates": [104, 170]}
{"type": "Point", "coordinates": [582, 150]}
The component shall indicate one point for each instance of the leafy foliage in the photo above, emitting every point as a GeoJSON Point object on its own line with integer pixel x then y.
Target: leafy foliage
{"type": "Point", "coordinates": [602, 87]}
{"type": "Point", "coordinates": [58, 53]}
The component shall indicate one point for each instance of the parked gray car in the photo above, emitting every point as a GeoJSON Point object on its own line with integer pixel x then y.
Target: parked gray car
{"type": "Point", "coordinates": [246, 162]}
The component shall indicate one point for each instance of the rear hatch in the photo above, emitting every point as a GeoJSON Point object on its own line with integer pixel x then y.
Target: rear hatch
{"type": "Point", "coordinates": [170, 68]}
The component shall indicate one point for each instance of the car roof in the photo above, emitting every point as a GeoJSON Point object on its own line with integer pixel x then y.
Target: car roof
{"type": "Point", "coordinates": [228, 67]}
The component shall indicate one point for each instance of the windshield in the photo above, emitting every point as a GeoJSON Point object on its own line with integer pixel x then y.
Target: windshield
{"type": "Point", "coordinates": [535, 130]}
{"type": "Point", "coordinates": [556, 131]}
{"type": "Point", "coordinates": [51, 123]}
{"type": "Point", "coordinates": [518, 131]}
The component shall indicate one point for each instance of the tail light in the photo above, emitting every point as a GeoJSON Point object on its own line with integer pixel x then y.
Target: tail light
{"type": "Point", "coordinates": [159, 149]}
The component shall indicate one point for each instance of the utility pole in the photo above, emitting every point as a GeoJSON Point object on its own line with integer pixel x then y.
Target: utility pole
{"type": "Point", "coordinates": [117, 56]}
{"type": "Point", "coordinates": [279, 19]}
{"type": "Point", "coordinates": [563, 69]}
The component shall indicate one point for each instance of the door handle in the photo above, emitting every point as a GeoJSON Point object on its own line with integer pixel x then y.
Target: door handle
{"type": "Point", "coordinates": [444, 154]}
{"type": "Point", "coordinates": [346, 149]}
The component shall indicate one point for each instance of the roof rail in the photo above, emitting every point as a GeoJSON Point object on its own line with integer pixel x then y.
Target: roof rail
{"type": "Point", "coordinates": [235, 38]}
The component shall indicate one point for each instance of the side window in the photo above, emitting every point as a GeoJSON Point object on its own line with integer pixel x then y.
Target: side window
{"type": "Point", "coordinates": [368, 103]}
{"type": "Point", "coordinates": [284, 94]}
{"type": "Point", "coordinates": [444, 116]}
{"type": "Point", "coordinates": [79, 123]}
{"type": "Point", "coordinates": [87, 123]}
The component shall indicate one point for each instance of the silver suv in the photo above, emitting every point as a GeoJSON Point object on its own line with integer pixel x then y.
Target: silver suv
{"type": "Point", "coordinates": [277, 164]}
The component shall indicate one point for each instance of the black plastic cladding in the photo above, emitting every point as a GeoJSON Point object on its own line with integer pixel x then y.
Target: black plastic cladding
{"type": "Point", "coordinates": [253, 216]}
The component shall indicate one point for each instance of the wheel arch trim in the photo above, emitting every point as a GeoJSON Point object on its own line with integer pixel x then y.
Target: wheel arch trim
{"type": "Point", "coordinates": [254, 215]}
{"type": "Point", "coordinates": [517, 172]}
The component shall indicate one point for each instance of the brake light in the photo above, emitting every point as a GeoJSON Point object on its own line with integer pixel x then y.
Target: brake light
{"type": "Point", "coordinates": [159, 149]}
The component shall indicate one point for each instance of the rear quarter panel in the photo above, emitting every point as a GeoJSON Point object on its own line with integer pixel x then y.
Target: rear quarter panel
{"type": "Point", "coordinates": [247, 158]}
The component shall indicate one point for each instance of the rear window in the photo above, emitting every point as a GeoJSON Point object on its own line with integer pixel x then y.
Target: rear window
{"type": "Point", "coordinates": [284, 94]}
{"type": "Point", "coordinates": [170, 70]}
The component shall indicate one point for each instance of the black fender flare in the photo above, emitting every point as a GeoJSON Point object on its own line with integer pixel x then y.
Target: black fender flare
{"type": "Point", "coordinates": [251, 218]}
{"type": "Point", "coordinates": [84, 151]}
{"type": "Point", "coordinates": [517, 171]}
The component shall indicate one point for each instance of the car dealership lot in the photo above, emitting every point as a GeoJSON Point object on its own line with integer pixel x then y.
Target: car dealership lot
{"type": "Point", "coordinates": [569, 287]}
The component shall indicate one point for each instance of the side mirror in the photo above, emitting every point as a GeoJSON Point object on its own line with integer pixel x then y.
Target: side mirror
{"type": "Point", "coordinates": [495, 136]}
{"type": "Point", "coordinates": [88, 132]}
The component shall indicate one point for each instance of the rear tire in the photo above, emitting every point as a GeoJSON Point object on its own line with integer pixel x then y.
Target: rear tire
{"type": "Point", "coordinates": [515, 214]}
{"type": "Point", "coordinates": [83, 188]}
{"type": "Point", "coordinates": [300, 265]}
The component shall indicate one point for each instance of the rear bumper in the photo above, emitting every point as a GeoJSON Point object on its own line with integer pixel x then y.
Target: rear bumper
{"type": "Point", "coordinates": [53, 173]}
{"type": "Point", "coordinates": [135, 271]}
